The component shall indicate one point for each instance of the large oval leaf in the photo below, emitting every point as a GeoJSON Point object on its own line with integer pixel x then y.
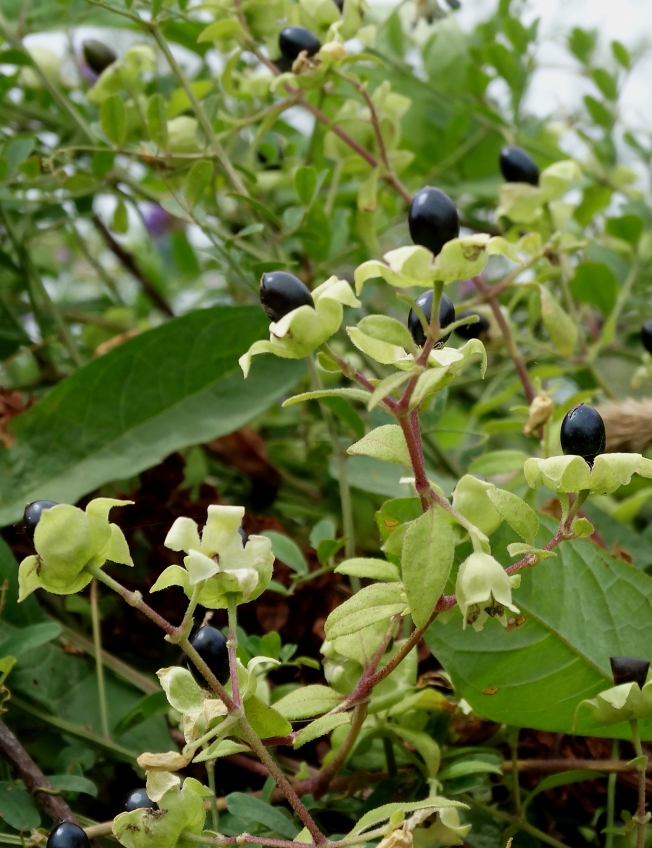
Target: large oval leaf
{"type": "Point", "coordinates": [177, 385]}
{"type": "Point", "coordinates": [581, 607]}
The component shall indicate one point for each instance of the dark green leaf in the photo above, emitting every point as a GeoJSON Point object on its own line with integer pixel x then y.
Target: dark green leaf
{"type": "Point", "coordinates": [113, 118]}
{"type": "Point", "coordinates": [595, 283]}
{"type": "Point", "coordinates": [305, 181]}
{"type": "Point", "coordinates": [157, 126]}
{"type": "Point", "coordinates": [30, 637]}
{"type": "Point", "coordinates": [256, 810]}
{"type": "Point", "coordinates": [174, 386]}
{"type": "Point", "coordinates": [199, 176]}
{"type": "Point", "coordinates": [150, 705]}
{"type": "Point", "coordinates": [73, 783]}
{"type": "Point", "coordinates": [17, 807]}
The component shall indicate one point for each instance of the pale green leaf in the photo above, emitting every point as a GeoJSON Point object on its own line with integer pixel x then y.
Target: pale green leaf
{"type": "Point", "coordinates": [373, 603]}
{"type": "Point", "coordinates": [113, 119]}
{"type": "Point", "coordinates": [197, 181]}
{"type": "Point", "coordinates": [519, 515]}
{"type": "Point", "coordinates": [560, 326]}
{"type": "Point", "coordinates": [386, 443]}
{"type": "Point", "coordinates": [426, 562]}
{"type": "Point", "coordinates": [220, 30]}
{"type": "Point", "coordinates": [387, 329]}
{"type": "Point", "coordinates": [320, 727]}
{"type": "Point", "coordinates": [347, 394]}
{"type": "Point", "coordinates": [372, 569]}
{"type": "Point", "coordinates": [307, 702]}
{"type": "Point", "coordinates": [265, 721]}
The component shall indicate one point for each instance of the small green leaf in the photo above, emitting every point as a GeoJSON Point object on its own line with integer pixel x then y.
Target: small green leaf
{"type": "Point", "coordinates": [461, 768]}
{"type": "Point", "coordinates": [386, 443]}
{"type": "Point", "coordinates": [305, 182]}
{"type": "Point", "coordinates": [17, 807]}
{"type": "Point", "coordinates": [320, 727]}
{"type": "Point", "coordinates": [324, 529]}
{"type": "Point", "coordinates": [30, 637]}
{"type": "Point", "coordinates": [120, 221]}
{"type": "Point", "coordinates": [265, 721]}
{"type": "Point", "coordinates": [621, 54]}
{"type": "Point", "coordinates": [387, 811]}
{"type": "Point", "coordinates": [371, 569]}
{"type": "Point", "coordinates": [386, 329]}
{"type": "Point", "coordinates": [348, 394]}
{"type": "Point", "coordinates": [113, 119]}
{"type": "Point", "coordinates": [563, 779]}
{"type": "Point", "coordinates": [424, 744]}
{"type": "Point", "coordinates": [369, 605]}
{"type": "Point", "coordinates": [221, 748]}
{"type": "Point", "coordinates": [519, 515]}
{"type": "Point", "coordinates": [73, 783]}
{"type": "Point", "coordinates": [498, 462]}
{"type": "Point", "coordinates": [256, 810]}
{"type": "Point", "coordinates": [151, 705]}
{"type": "Point", "coordinates": [307, 702]}
{"type": "Point", "coordinates": [102, 163]}
{"type": "Point", "coordinates": [426, 562]}
{"type": "Point", "coordinates": [582, 527]}
{"type": "Point", "coordinates": [220, 30]}
{"type": "Point", "coordinates": [197, 181]}
{"type": "Point", "coordinates": [561, 328]}
{"type": "Point", "coordinates": [287, 551]}
{"type": "Point", "coordinates": [157, 121]}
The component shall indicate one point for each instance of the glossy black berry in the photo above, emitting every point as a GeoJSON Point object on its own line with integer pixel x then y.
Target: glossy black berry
{"type": "Point", "coordinates": [629, 670]}
{"type": "Point", "coordinates": [97, 55]}
{"type": "Point", "coordinates": [210, 644]}
{"type": "Point", "coordinates": [32, 516]}
{"type": "Point", "coordinates": [518, 166]}
{"type": "Point", "coordinates": [433, 219]}
{"type": "Point", "coordinates": [583, 433]}
{"type": "Point", "coordinates": [281, 292]}
{"type": "Point", "coordinates": [446, 316]}
{"type": "Point", "coordinates": [138, 799]}
{"type": "Point", "coordinates": [295, 39]}
{"type": "Point", "coordinates": [646, 336]}
{"type": "Point", "coordinates": [472, 331]}
{"type": "Point", "coordinates": [68, 835]}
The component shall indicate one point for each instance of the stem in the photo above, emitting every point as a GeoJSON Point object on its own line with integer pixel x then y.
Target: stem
{"type": "Point", "coordinates": [243, 839]}
{"type": "Point", "coordinates": [519, 362]}
{"type": "Point", "coordinates": [520, 824]}
{"type": "Point", "coordinates": [515, 780]}
{"type": "Point", "coordinates": [352, 374]}
{"type": "Point", "coordinates": [201, 115]}
{"type": "Point", "coordinates": [611, 797]}
{"type": "Point", "coordinates": [232, 644]}
{"type": "Point", "coordinates": [210, 772]}
{"type": "Point", "coordinates": [134, 599]}
{"type": "Point", "coordinates": [609, 329]}
{"type": "Point", "coordinates": [348, 524]}
{"type": "Point", "coordinates": [641, 768]}
{"type": "Point", "coordinates": [210, 678]}
{"type": "Point", "coordinates": [186, 624]}
{"type": "Point", "coordinates": [333, 768]}
{"type": "Point", "coordinates": [282, 782]}
{"type": "Point", "coordinates": [99, 665]}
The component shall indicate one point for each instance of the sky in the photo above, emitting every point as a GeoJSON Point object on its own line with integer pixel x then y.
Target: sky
{"type": "Point", "coordinates": [556, 87]}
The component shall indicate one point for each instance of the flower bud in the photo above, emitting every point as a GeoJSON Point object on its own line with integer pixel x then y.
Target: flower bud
{"type": "Point", "coordinates": [483, 590]}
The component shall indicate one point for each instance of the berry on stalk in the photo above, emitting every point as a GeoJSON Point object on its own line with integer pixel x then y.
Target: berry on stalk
{"type": "Point", "coordinates": [583, 433]}
{"type": "Point", "coordinates": [433, 219]}
{"type": "Point", "coordinates": [281, 293]}
{"type": "Point", "coordinates": [446, 317]}
{"type": "Point", "coordinates": [68, 835]}
{"type": "Point", "coordinates": [210, 644]}
{"type": "Point", "coordinates": [138, 799]}
{"type": "Point", "coordinates": [646, 335]}
{"type": "Point", "coordinates": [98, 56]}
{"type": "Point", "coordinates": [518, 166]}
{"type": "Point", "coordinates": [471, 331]}
{"type": "Point", "coordinates": [32, 516]}
{"type": "Point", "coordinates": [293, 40]}
{"type": "Point", "coordinates": [629, 670]}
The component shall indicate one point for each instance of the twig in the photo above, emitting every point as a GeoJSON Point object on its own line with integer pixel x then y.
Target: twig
{"type": "Point", "coordinates": [232, 644]}
{"type": "Point", "coordinates": [519, 362]}
{"type": "Point", "coordinates": [641, 767]}
{"type": "Point", "coordinates": [132, 266]}
{"type": "Point", "coordinates": [553, 766]}
{"type": "Point", "coordinates": [611, 796]}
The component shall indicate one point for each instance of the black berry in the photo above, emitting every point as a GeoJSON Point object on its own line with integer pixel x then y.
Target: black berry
{"type": "Point", "coordinates": [210, 644]}
{"type": "Point", "coordinates": [433, 219]}
{"type": "Point", "coordinates": [32, 516]}
{"type": "Point", "coordinates": [97, 55]}
{"type": "Point", "coordinates": [583, 433]}
{"type": "Point", "coordinates": [629, 670]}
{"type": "Point", "coordinates": [281, 292]}
{"type": "Point", "coordinates": [295, 39]}
{"type": "Point", "coordinates": [518, 166]}
{"type": "Point", "coordinates": [446, 316]}
{"type": "Point", "coordinates": [646, 336]}
{"type": "Point", "coordinates": [68, 835]}
{"type": "Point", "coordinates": [138, 799]}
{"type": "Point", "coordinates": [472, 331]}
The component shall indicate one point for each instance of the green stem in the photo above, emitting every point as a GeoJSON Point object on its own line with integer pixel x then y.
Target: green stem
{"type": "Point", "coordinates": [611, 797]}
{"type": "Point", "coordinates": [215, 815]}
{"type": "Point", "coordinates": [609, 329]}
{"type": "Point", "coordinates": [232, 646]}
{"type": "Point", "coordinates": [517, 787]}
{"type": "Point", "coordinates": [642, 768]}
{"type": "Point", "coordinates": [186, 625]}
{"type": "Point", "coordinates": [201, 115]}
{"type": "Point", "coordinates": [134, 599]}
{"type": "Point", "coordinates": [340, 757]}
{"type": "Point", "coordinates": [340, 461]}
{"type": "Point", "coordinates": [99, 665]}
{"type": "Point", "coordinates": [520, 824]}
{"type": "Point", "coordinates": [76, 730]}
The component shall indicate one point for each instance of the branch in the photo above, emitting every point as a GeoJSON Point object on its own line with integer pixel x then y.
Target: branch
{"type": "Point", "coordinates": [33, 778]}
{"type": "Point", "coordinates": [132, 266]}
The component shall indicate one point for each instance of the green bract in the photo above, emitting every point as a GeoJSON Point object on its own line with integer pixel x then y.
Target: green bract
{"type": "Point", "coordinates": [181, 807]}
{"type": "Point", "coordinates": [626, 702]}
{"type": "Point", "coordinates": [442, 827]}
{"type": "Point", "coordinates": [459, 259]}
{"type": "Point", "coordinates": [67, 540]}
{"type": "Point", "coordinates": [523, 203]}
{"type": "Point", "coordinates": [483, 589]}
{"type": "Point", "coordinates": [610, 471]}
{"type": "Point", "coordinates": [219, 558]}
{"type": "Point", "coordinates": [199, 709]}
{"type": "Point", "coordinates": [303, 330]}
